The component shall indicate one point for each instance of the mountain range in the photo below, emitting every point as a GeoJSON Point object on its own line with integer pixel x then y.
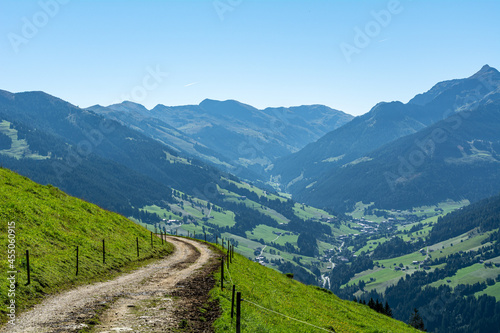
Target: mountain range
{"type": "Point", "coordinates": [175, 166]}
{"type": "Point", "coordinates": [442, 144]}
{"type": "Point", "coordinates": [366, 150]}
{"type": "Point", "coordinates": [88, 156]}
{"type": "Point", "coordinates": [228, 134]}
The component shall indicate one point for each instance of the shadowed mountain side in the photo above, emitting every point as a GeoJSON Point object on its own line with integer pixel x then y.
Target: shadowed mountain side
{"type": "Point", "coordinates": [234, 136]}
{"type": "Point", "coordinates": [457, 158]}
{"type": "Point", "coordinates": [386, 122]}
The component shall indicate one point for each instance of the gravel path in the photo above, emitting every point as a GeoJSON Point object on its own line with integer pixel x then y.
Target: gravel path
{"type": "Point", "coordinates": [149, 299]}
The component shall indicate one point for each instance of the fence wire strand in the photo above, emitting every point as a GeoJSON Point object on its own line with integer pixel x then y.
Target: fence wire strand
{"type": "Point", "coordinates": [228, 272]}
{"type": "Point", "coordinates": [283, 315]}
{"type": "Point", "coordinates": [300, 321]}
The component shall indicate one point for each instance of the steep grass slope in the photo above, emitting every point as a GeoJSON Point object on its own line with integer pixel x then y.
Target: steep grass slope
{"type": "Point", "coordinates": [51, 224]}
{"type": "Point", "coordinates": [263, 287]}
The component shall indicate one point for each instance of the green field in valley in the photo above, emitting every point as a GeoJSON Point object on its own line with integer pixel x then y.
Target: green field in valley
{"type": "Point", "coordinates": [19, 147]}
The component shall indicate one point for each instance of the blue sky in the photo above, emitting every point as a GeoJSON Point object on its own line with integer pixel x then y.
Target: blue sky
{"type": "Point", "coordinates": [348, 55]}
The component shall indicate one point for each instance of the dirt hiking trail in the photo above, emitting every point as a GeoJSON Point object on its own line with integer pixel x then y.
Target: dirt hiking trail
{"type": "Point", "coordinates": [169, 295]}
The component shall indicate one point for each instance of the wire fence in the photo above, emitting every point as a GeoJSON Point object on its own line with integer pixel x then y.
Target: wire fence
{"type": "Point", "coordinates": [230, 277]}
{"type": "Point", "coordinates": [94, 254]}
{"type": "Point", "coordinates": [281, 314]}
{"type": "Point", "coordinates": [227, 273]}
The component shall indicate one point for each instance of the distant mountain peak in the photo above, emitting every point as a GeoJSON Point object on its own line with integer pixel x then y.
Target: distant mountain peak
{"type": "Point", "coordinates": [6, 94]}
{"type": "Point", "coordinates": [228, 107]}
{"type": "Point", "coordinates": [486, 70]}
{"type": "Point", "coordinates": [130, 104]}
{"type": "Point", "coordinates": [209, 101]}
{"type": "Point", "coordinates": [485, 74]}
{"type": "Point", "coordinates": [127, 106]}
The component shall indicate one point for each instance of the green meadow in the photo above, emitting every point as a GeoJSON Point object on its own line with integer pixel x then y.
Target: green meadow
{"type": "Point", "coordinates": [51, 224]}
{"type": "Point", "coordinates": [275, 303]}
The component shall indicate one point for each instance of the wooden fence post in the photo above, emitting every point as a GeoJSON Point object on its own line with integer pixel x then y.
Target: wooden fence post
{"type": "Point", "coordinates": [76, 260]}
{"type": "Point", "coordinates": [28, 264]}
{"type": "Point", "coordinates": [232, 302]}
{"type": "Point", "coordinates": [227, 259]}
{"type": "Point", "coordinates": [151, 239]}
{"type": "Point", "coordinates": [238, 312]}
{"type": "Point", "coordinates": [205, 236]}
{"type": "Point", "coordinates": [161, 235]}
{"type": "Point", "coordinates": [137, 242]}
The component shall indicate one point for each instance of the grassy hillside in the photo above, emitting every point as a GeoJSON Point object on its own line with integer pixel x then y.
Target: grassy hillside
{"type": "Point", "coordinates": [470, 229]}
{"type": "Point", "coordinates": [274, 291]}
{"type": "Point", "coordinates": [385, 274]}
{"type": "Point", "coordinates": [414, 265]}
{"type": "Point", "coordinates": [51, 224]}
